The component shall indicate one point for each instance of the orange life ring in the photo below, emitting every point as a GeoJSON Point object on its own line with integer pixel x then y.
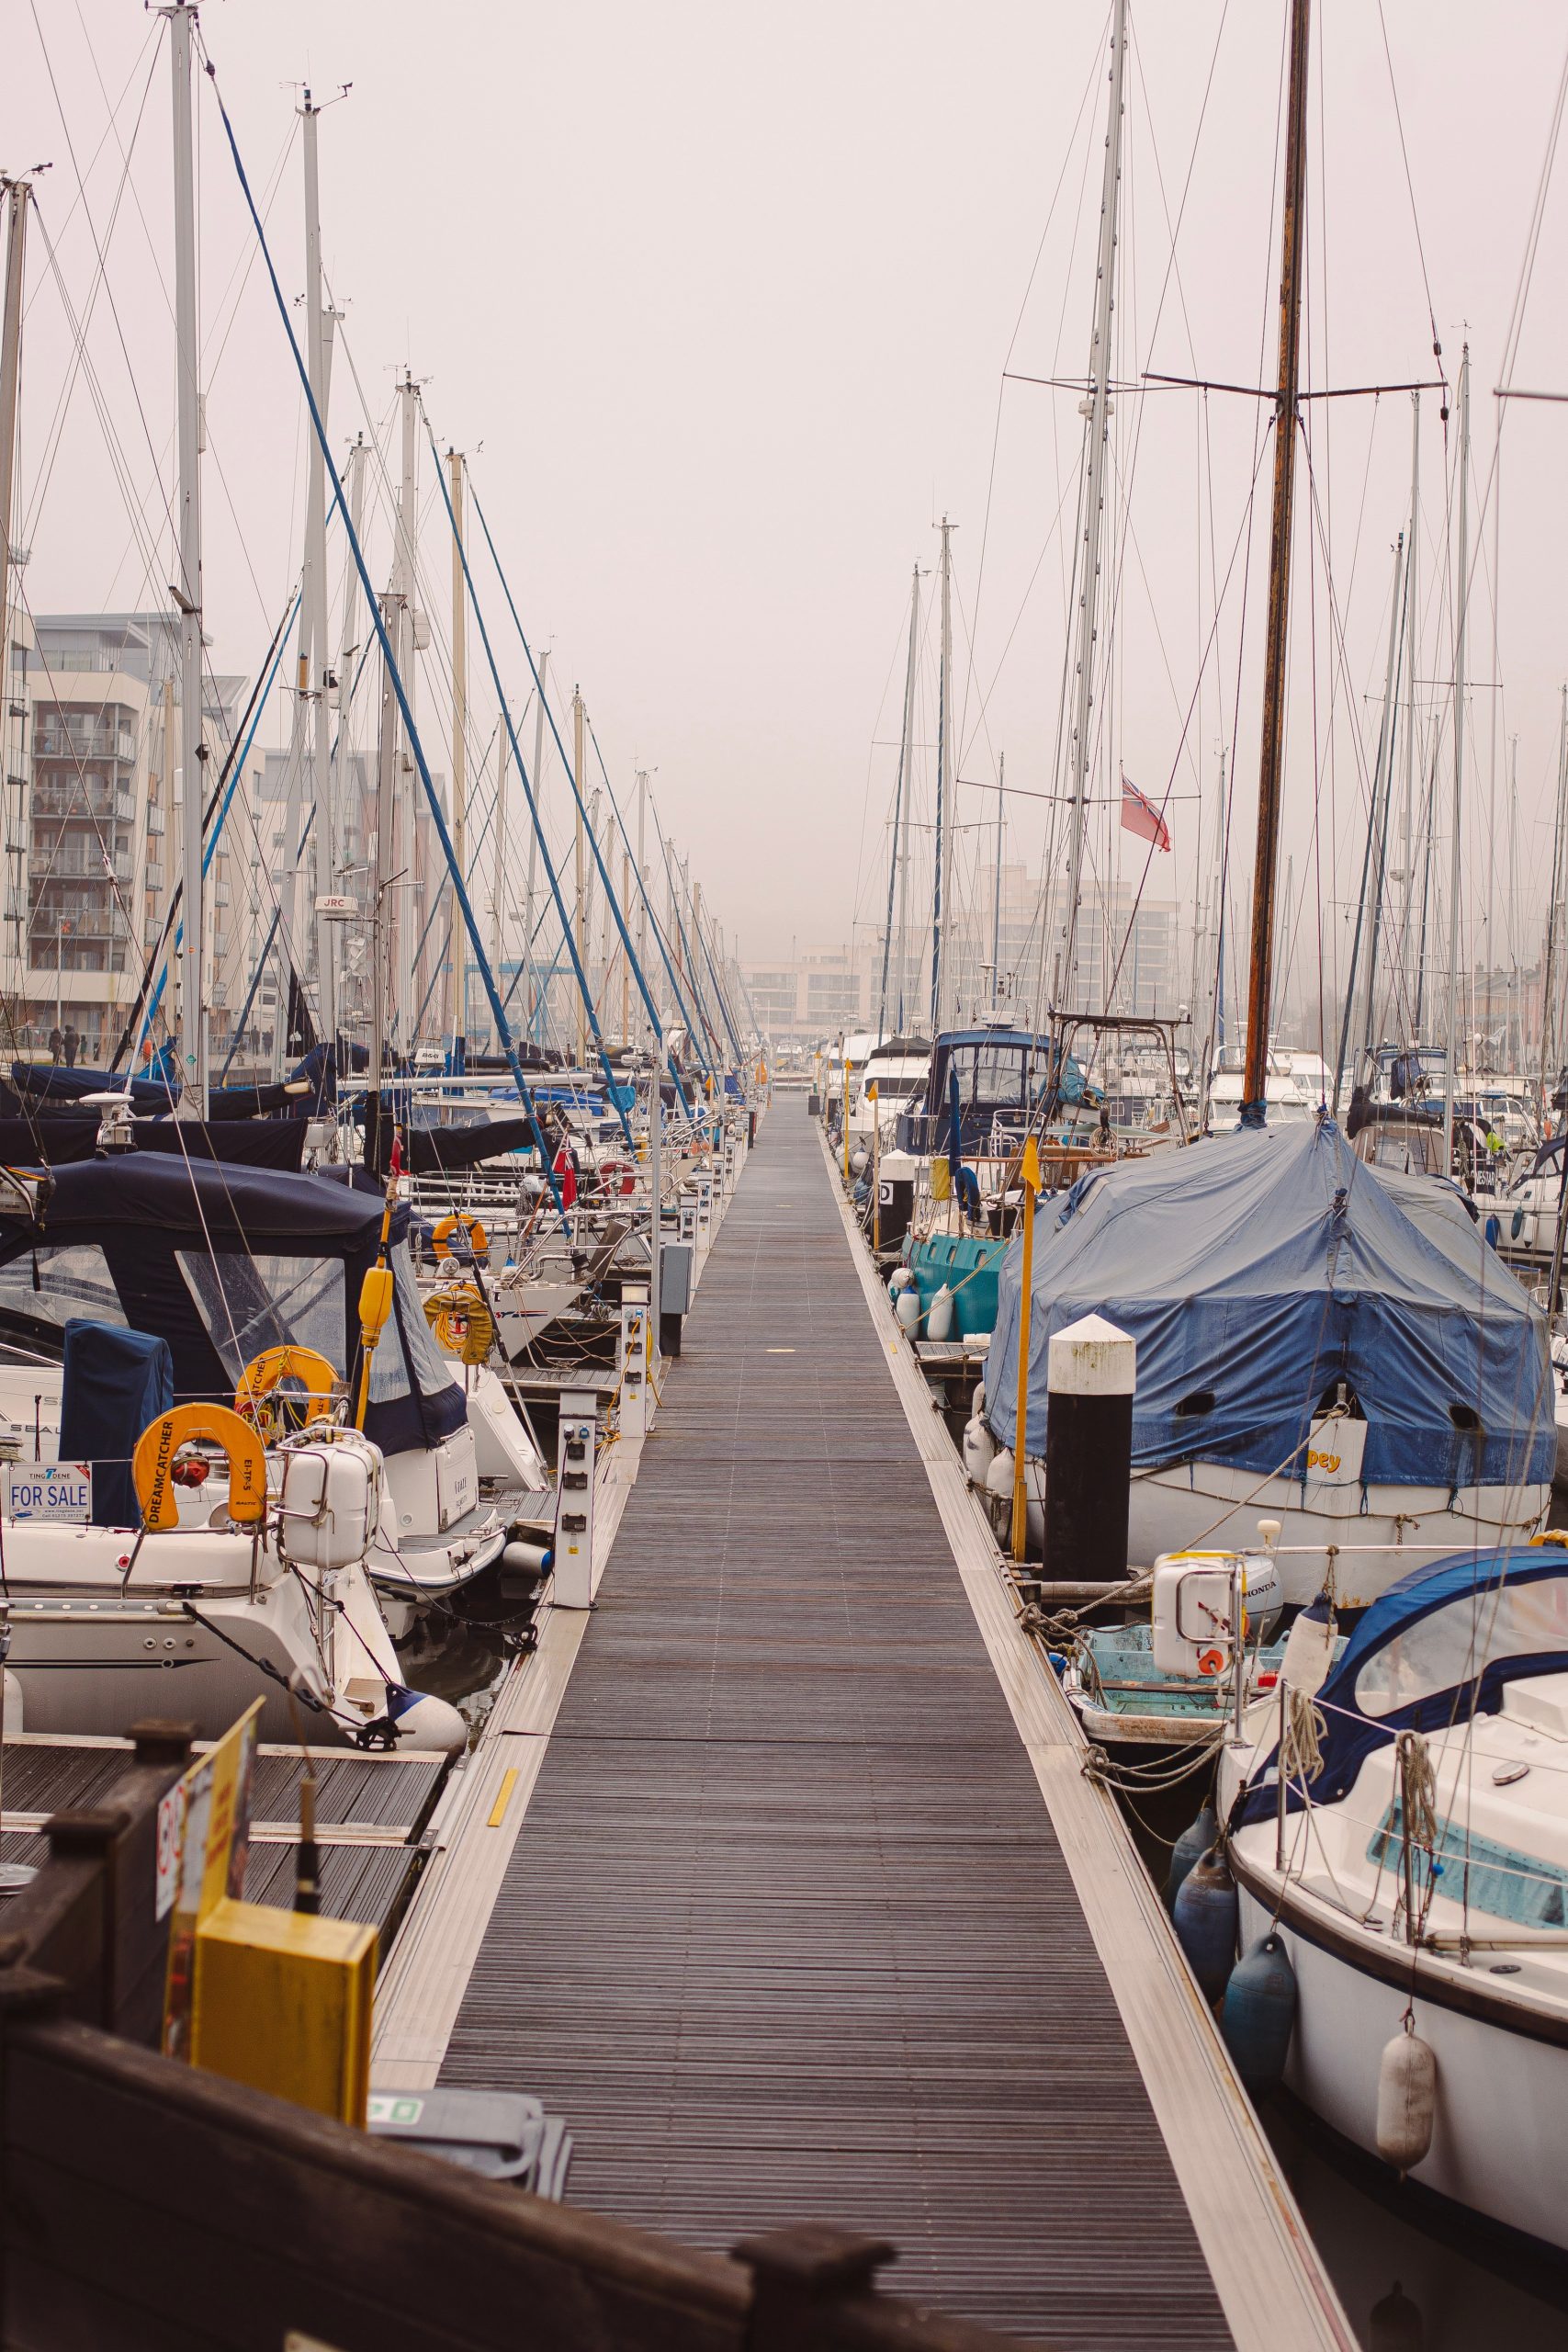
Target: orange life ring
{"type": "Point", "coordinates": [616, 1177]}
{"type": "Point", "coordinates": [153, 1462]}
{"type": "Point", "coordinates": [263, 1375]}
{"type": "Point", "coordinates": [1212, 1662]}
{"type": "Point", "coordinates": [477, 1240]}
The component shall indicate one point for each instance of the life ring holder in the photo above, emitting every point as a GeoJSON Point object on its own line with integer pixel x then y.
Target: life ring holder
{"type": "Point", "coordinates": [465, 1305]}
{"type": "Point", "coordinates": [477, 1240]}
{"type": "Point", "coordinates": [264, 1374]}
{"type": "Point", "coordinates": [153, 1462]}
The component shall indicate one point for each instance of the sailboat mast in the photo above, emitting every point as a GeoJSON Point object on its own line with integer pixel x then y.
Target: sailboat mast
{"type": "Point", "coordinates": [1384, 775]}
{"type": "Point", "coordinates": [398, 872]}
{"type": "Point", "coordinates": [381, 895]}
{"type": "Point", "coordinates": [580, 913]}
{"type": "Point", "coordinates": [341, 748]}
{"type": "Point", "coordinates": [1214, 928]}
{"type": "Point", "coordinates": [1461, 618]}
{"type": "Point", "coordinates": [315, 590]}
{"type": "Point", "coordinates": [497, 944]}
{"type": "Point", "coordinates": [1554, 916]}
{"type": "Point", "coordinates": [905, 761]}
{"type": "Point", "coordinates": [456, 1023]}
{"type": "Point", "coordinates": [536, 1025]}
{"type": "Point", "coordinates": [193, 1009]}
{"type": "Point", "coordinates": [20, 192]}
{"type": "Point", "coordinates": [1271, 773]}
{"type": "Point", "coordinates": [1372, 862]}
{"type": "Point", "coordinates": [997, 900]}
{"type": "Point", "coordinates": [943, 763]}
{"type": "Point", "coordinates": [898, 866]}
{"type": "Point", "coordinates": [1413, 622]}
{"type": "Point", "coordinates": [642, 878]}
{"type": "Point", "coordinates": [1097, 409]}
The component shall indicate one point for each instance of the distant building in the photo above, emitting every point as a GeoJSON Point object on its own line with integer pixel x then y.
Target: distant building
{"type": "Point", "coordinates": [804, 999]}
{"type": "Point", "coordinates": [90, 818]}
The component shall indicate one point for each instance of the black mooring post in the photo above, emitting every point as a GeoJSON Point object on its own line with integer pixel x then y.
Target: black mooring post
{"type": "Point", "coordinates": [1089, 1451]}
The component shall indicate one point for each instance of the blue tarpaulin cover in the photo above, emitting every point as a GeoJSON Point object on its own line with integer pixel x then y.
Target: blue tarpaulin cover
{"type": "Point", "coordinates": [115, 1383]}
{"type": "Point", "coordinates": [1255, 1269]}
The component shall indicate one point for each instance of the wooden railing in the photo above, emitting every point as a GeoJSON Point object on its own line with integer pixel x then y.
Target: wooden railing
{"type": "Point", "coordinates": [150, 2207]}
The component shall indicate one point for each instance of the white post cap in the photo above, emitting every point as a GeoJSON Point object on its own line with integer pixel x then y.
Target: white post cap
{"type": "Point", "coordinates": [1092, 1358]}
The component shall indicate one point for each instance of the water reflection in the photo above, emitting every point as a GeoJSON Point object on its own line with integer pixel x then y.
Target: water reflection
{"type": "Point", "coordinates": [1413, 2276]}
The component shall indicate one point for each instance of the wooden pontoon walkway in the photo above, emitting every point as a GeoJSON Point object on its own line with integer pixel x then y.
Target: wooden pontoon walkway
{"type": "Point", "coordinates": [786, 1931]}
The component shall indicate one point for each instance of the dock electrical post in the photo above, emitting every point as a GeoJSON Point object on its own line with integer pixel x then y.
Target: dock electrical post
{"type": "Point", "coordinates": [575, 1450]}
{"type": "Point", "coordinates": [636, 1349]}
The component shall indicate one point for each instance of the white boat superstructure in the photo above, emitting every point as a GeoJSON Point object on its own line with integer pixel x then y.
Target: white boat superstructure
{"type": "Point", "coordinates": [192, 1621]}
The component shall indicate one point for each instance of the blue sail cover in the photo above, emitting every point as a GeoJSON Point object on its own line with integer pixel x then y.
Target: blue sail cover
{"type": "Point", "coordinates": [1255, 1270]}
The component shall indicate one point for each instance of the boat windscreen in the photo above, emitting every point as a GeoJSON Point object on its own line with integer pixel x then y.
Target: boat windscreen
{"type": "Point", "coordinates": [251, 1303]}
{"type": "Point", "coordinates": [993, 1077]}
{"type": "Point", "coordinates": [1450, 1645]}
{"type": "Point", "coordinates": [59, 1280]}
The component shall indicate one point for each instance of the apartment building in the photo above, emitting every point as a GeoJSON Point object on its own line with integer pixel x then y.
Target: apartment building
{"type": "Point", "coordinates": [90, 819]}
{"type": "Point", "coordinates": [802, 1000]}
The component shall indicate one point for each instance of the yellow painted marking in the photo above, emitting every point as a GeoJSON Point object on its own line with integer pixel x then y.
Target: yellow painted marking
{"type": "Point", "coordinates": [498, 1810]}
{"type": "Point", "coordinates": [779, 1351]}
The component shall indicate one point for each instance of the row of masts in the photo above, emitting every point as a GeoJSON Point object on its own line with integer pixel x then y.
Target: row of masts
{"type": "Point", "coordinates": [1386, 991]}
{"type": "Point", "coordinates": [320, 898]}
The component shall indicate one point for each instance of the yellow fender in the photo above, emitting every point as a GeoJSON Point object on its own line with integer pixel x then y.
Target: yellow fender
{"type": "Point", "coordinates": [153, 1462]}
{"type": "Point", "coordinates": [479, 1240]}
{"type": "Point", "coordinates": [264, 1373]}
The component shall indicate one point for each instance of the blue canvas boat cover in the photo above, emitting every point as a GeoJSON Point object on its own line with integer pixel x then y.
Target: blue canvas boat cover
{"type": "Point", "coordinates": [114, 1384]}
{"type": "Point", "coordinates": [1254, 1271]}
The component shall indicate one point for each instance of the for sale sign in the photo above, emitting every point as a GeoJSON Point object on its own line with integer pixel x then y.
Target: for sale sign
{"type": "Point", "coordinates": [61, 1491]}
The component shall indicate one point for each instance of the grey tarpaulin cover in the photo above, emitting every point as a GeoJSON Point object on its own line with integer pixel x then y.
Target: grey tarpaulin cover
{"type": "Point", "coordinates": [1254, 1271]}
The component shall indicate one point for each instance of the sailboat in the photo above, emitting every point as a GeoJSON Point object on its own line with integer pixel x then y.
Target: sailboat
{"type": "Point", "coordinates": [1321, 1344]}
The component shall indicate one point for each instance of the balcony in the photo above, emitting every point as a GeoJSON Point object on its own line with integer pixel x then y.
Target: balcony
{"type": "Point", "coordinates": [154, 819]}
{"type": "Point", "coordinates": [82, 797]}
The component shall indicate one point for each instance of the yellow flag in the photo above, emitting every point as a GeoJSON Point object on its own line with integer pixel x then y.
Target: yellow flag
{"type": "Point", "coordinates": [871, 1094]}
{"type": "Point", "coordinates": [942, 1179]}
{"type": "Point", "coordinates": [1030, 1171]}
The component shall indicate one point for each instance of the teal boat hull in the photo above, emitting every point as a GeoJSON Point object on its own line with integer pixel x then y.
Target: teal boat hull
{"type": "Point", "coordinates": [969, 1264]}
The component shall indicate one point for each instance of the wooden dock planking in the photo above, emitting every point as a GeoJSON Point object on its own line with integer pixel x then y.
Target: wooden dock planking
{"type": "Point", "coordinates": [370, 1809]}
{"type": "Point", "coordinates": [786, 1930]}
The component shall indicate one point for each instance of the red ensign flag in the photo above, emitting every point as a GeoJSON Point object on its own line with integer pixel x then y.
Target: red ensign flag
{"type": "Point", "coordinates": [1141, 817]}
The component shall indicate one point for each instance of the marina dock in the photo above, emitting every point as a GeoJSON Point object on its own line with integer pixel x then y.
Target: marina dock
{"type": "Point", "coordinates": [780, 1878]}
{"type": "Point", "coordinates": [371, 1812]}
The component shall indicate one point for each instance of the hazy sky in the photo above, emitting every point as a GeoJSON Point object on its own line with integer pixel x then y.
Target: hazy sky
{"type": "Point", "coordinates": [726, 294]}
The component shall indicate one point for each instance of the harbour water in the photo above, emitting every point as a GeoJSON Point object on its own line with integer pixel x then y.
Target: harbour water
{"type": "Point", "coordinates": [1413, 2276]}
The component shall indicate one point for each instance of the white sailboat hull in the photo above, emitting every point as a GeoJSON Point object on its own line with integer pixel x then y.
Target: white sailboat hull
{"type": "Point", "coordinates": [1500, 2140]}
{"type": "Point", "coordinates": [1374, 1540]}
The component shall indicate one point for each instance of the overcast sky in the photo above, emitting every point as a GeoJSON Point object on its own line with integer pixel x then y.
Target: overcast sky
{"type": "Point", "coordinates": [719, 302]}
